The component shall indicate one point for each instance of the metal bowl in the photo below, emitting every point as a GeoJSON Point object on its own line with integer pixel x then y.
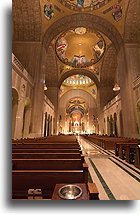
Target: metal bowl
{"type": "Point", "coordinates": [70, 192]}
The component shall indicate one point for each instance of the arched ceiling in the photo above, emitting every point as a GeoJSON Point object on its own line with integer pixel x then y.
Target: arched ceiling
{"type": "Point", "coordinates": [76, 105]}
{"type": "Point", "coordinates": [50, 68]}
{"type": "Point", "coordinates": [80, 47]}
{"type": "Point", "coordinates": [83, 20]}
{"type": "Point", "coordinates": [44, 21]}
{"type": "Point", "coordinates": [109, 66]}
{"type": "Point", "coordinates": [74, 94]}
{"type": "Point", "coordinates": [31, 21]}
{"type": "Point", "coordinates": [79, 82]}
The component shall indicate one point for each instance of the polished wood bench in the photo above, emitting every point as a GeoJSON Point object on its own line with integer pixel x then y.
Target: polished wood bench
{"type": "Point", "coordinates": [119, 147]}
{"type": "Point", "coordinates": [125, 151]}
{"type": "Point", "coordinates": [46, 164]}
{"type": "Point", "coordinates": [46, 146]}
{"type": "Point", "coordinates": [31, 150]}
{"type": "Point", "coordinates": [46, 156]}
{"type": "Point", "coordinates": [23, 180]}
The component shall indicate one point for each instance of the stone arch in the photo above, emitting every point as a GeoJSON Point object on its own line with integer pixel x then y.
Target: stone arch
{"type": "Point", "coordinates": [107, 76]}
{"type": "Point", "coordinates": [77, 94]}
{"type": "Point", "coordinates": [51, 68]}
{"type": "Point", "coordinates": [89, 100]}
{"type": "Point", "coordinates": [15, 99]}
{"type": "Point", "coordinates": [79, 71]}
{"type": "Point", "coordinates": [84, 20]}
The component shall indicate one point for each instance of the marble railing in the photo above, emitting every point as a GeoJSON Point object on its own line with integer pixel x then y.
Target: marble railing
{"type": "Point", "coordinates": [136, 82]}
{"type": "Point", "coordinates": [112, 102]}
{"type": "Point", "coordinates": [19, 68]}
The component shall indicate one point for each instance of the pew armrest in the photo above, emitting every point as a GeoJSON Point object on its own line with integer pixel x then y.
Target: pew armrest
{"type": "Point", "coordinates": [93, 191]}
{"type": "Point", "coordinates": [83, 158]}
{"type": "Point", "coordinates": [85, 170]}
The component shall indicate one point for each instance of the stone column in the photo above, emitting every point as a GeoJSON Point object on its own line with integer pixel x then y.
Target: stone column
{"type": "Point", "coordinates": [19, 119]}
{"type": "Point", "coordinates": [37, 109]}
{"type": "Point", "coordinates": [27, 122]}
{"type": "Point", "coordinates": [38, 96]}
{"type": "Point", "coordinates": [52, 94]}
{"type": "Point", "coordinates": [127, 66]}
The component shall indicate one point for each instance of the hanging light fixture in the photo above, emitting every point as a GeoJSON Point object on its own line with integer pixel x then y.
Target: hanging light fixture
{"type": "Point", "coordinates": [45, 88]}
{"type": "Point", "coordinates": [116, 87]}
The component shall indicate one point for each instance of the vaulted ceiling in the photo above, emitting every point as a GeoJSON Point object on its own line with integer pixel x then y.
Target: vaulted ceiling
{"type": "Point", "coordinates": [30, 19]}
{"type": "Point", "coordinates": [48, 21]}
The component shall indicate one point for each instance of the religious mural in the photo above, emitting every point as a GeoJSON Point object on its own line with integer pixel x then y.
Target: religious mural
{"type": "Point", "coordinates": [74, 47]}
{"type": "Point", "coordinates": [95, 4]}
{"type": "Point", "coordinates": [117, 14]}
{"type": "Point", "coordinates": [48, 10]}
{"type": "Point", "coordinates": [76, 117]}
{"type": "Point", "coordinates": [93, 91]}
{"type": "Point", "coordinates": [77, 79]}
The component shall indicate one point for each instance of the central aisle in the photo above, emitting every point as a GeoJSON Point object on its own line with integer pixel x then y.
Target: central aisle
{"type": "Point", "coordinates": [115, 179]}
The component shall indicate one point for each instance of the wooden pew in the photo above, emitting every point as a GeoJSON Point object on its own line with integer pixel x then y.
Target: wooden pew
{"type": "Point", "coordinates": [20, 150]}
{"type": "Point", "coordinates": [46, 156]}
{"type": "Point", "coordinates": [46, 164]}
{"type": "Point", "coordinates": [109, 143]}
{"type": "Point", "coordinates": [46, 146]}
{"type": "Point", "coordinates": [137, 157]}
{"type": "Point", "coordinates": [120, 148]}
{"type": "Point", "coordinates": [126, 150]}
{"type": "Point", "coordinates": [22, 180]}
{"type": "Point", "coordinates": [58, 139]}
{"type": "Point", "coordinates": [58, 168]}
{"type": "Point", "coordinates": [44, 141]}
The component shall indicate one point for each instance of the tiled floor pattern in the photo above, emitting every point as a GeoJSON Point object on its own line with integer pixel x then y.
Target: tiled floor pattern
{"type": "Point", "coordinates": [115, 179]}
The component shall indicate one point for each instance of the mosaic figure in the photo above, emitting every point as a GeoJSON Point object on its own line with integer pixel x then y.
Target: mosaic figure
{"type": "Point", "coordinates": [80, 3]}
{"type": "Point", "coordinates": [80, 61]}
{"type": "Point", "coordinates": [61, 47]}
{"type": "Point", "coordinates": [99, 49]}
{"type": "Point", "coordinates": [93, 91]}
{"type": "Point", "coordinates": [48, 10]}
{"type": "Point", "coordinates": [117, 14]}
{"type": "Point", "coordinates": [95, 2]}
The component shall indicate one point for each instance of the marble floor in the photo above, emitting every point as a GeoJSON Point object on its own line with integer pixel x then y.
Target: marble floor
{"type": "Point", "coordinates": [115, 178]}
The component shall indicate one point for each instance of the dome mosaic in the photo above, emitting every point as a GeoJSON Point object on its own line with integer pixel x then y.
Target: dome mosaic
{"type": "Point", "coordinates": [80, 47]}
{"type": "Point", "coordinates": [77, 80]}
{"type": "Point", "coordinates": [84, 4]}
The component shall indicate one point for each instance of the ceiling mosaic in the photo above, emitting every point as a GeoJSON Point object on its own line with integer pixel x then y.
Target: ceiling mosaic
{"type": "Point", "coordinates": [76, 105]}
{"type": "Point", "coordinates": [112, 10]}
{"type": "Point", "coordinates": [87, 5]}
{"type": "Point", "coordinates": [80, 47]}
{"type": "Point", "coordinates": [79, 82]}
